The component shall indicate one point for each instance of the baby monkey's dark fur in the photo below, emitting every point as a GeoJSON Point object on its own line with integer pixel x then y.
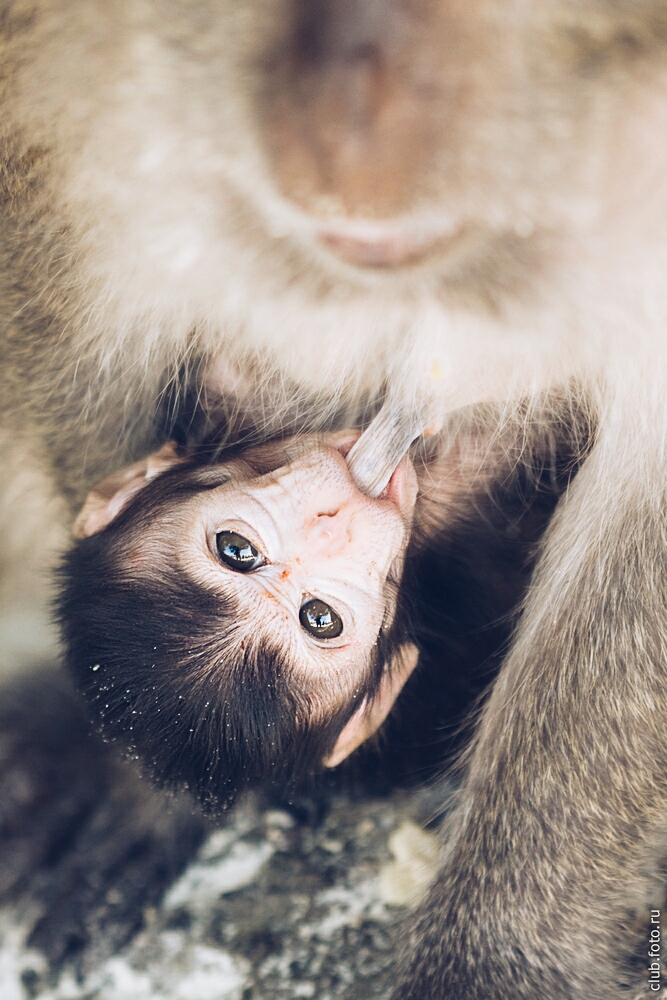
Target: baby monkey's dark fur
{"type": "Point", "coordinates": [151, 650]}
{"type": "Point", "coordinates": [88, 830]}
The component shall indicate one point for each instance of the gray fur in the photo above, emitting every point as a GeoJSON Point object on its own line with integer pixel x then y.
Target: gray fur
{"type": "Point", "coordinates": [155, 232]}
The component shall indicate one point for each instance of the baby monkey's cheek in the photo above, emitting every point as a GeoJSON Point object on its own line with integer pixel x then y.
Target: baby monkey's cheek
{"type": "Point", "coordinates": [329, 682]}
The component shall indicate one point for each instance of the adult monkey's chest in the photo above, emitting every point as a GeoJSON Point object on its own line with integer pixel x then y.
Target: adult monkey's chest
{"type": "Point", "coordinates": [331, 198]}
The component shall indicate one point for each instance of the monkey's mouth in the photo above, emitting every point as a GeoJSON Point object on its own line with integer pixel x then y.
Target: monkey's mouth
{"type": "Point", "coordinates": [401, 489]}
{"type": "Point", "coordinates": [343, 440]}
{"type": "Point", "coordinates": [383, 246]}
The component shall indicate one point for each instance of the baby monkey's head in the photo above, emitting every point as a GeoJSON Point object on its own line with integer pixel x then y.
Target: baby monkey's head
{"type": "Point", "coordinates": [238, 623]}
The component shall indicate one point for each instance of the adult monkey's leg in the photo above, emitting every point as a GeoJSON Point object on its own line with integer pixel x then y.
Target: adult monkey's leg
{"type": "Point", "coordinates": [567, 780]}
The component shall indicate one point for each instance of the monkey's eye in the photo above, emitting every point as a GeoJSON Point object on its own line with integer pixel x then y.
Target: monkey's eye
{"type": "Point", "coordinates": [237, 552]}
{"type": "Point", "coordinates": [320, 619]}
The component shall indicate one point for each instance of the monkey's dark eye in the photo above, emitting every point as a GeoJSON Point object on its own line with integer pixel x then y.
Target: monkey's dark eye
{"type": "Point", "coordinates": [237, 552]}
{"type": "Point", "coordinates": [320, 619]}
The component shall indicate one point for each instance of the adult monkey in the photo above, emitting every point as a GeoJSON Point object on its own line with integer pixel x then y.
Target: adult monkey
{"type": "Point", "coordinates": [344, 197]}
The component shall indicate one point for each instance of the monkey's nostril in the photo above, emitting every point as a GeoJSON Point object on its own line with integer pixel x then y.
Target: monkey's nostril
{"type": "Point", "coordinates": [329, 532]}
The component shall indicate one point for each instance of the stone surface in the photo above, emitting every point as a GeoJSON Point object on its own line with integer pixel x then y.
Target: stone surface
{"type": "Point", "coordinates": [270, 909]}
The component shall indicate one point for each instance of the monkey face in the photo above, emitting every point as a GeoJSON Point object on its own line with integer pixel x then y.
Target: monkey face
{"type": "Point", "coordinates": [306, 555]}
{"type": "Point", "coordinates": [261, 599]}
{"type": "Point", "coordinates": [306, 559]}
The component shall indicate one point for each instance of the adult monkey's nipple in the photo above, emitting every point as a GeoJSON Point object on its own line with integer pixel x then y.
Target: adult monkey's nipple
{"type": "Point", "coordinates": [376, 454]}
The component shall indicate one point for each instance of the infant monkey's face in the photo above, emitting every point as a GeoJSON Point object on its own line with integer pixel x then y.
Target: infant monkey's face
{"type": "Point", "coordinates": [309, 558]}
{"type": "Point", "coordinates": [283, 536]}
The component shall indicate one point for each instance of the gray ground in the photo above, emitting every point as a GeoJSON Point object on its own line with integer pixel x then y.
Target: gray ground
{"type": "Point", "coordinates": [270, 910]}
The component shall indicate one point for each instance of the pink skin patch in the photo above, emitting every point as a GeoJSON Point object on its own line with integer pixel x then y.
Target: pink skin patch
{"type": "Point", "coordinates": [369, 717]}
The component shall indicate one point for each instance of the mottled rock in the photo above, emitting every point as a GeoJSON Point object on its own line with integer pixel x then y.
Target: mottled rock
{"type": "Point", "coordinates": [270, 909]}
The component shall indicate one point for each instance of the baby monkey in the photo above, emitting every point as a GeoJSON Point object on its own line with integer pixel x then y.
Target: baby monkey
{"type": "Point", "coordinates": [242, 620]}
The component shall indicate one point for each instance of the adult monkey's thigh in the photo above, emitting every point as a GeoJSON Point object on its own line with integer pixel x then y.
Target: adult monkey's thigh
{"type": "Point", "coordinates": [555, 849]}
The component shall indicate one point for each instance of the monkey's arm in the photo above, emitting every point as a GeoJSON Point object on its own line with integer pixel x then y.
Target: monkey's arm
{"type": "Point", "coordinates": [566, 786]}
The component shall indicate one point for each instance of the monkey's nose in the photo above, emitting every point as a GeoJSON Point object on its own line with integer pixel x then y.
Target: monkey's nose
{"type": "Point", "coordinates": [344, 120]}
{"type": "Point", "coordinates": [329, 533]}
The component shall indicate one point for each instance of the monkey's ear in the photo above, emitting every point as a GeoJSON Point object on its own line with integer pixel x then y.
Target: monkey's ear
{"type": "Point", "coordinates": [368, 718]}
{"type": "Point", "coordinates": [112, 495]}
